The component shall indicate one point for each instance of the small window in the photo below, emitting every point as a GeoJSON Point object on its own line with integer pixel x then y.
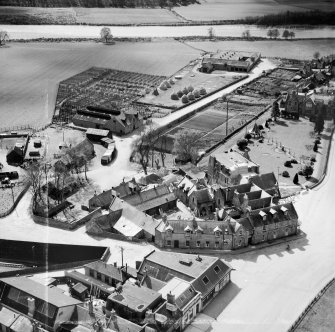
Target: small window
{"type": "Point", "coordinates": [168, 242]}
{"type": "Point", "coordinates": [190, 290]}
{"type": "Point", "coordinates": [205, 280]}
{"type": "Point", "coordinates": [240, 242]}
{"type": "Point", "coordinates": [98, 276]}
{"type": "Point", "coordinates": [187, 244]}
{"type": "Point", "coordinates": [207, 244]}
{"type": "Point", "coordinates": [217, 244]}
{"type": "Point", "coordinates": [198, 243]}
{"type": "Point", "coordinates": [217, 269]}
{"type": "Point", "coordinates": [217, 233]}
{"type": "Point", "coordinates": [240, 233]}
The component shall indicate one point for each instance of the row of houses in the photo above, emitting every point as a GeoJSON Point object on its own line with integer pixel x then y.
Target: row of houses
{"type": "Point", "coordinates": [165, 293]}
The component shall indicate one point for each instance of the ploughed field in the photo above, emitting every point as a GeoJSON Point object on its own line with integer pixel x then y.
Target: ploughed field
{"type": "Point", "coordinates": [77, 15]}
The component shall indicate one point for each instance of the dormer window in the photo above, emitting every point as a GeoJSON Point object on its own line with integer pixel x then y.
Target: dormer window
{"type": "Point", "coordinates": [284, 210]}
{"type": "Point", "coordinates": [273, 212]}
{"type": "Point", "coordinates": [217, 231]}
{"type": "Point", "coordinates": [199, 230]}
{"type": "Point", "coordinates": [188, 230]}
{"type": "Point", "coordinates": [263, 215]}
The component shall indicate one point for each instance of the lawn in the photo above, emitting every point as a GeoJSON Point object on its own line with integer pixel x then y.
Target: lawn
{"type": "Point", "coordinates": [30, 73]}
{"type": "Point", "coordinates": [232, 10]}
{"type": "Point", "coordinates": [189, 76]}
{"type": "Point", "coordinates": [281, 143]}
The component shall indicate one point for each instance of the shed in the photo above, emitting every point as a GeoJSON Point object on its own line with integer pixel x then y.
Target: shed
{"type": "Point", "coordinates": [80, 291]}
{"type": "Point", "coordinates": [95, 135]}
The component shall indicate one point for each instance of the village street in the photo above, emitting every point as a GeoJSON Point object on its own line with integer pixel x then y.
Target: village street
{"type": "Point", "coordinates": [271, 287]}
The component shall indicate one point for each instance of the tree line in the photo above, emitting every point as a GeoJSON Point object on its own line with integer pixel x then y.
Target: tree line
{"type": "Point", "coordinates": [314, 17]}
{"type": "Point", "coordinates": [97, 3]}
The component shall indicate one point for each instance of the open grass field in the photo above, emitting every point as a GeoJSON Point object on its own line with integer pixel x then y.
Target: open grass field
{"type": "Point", "coordinates": [309, 4]}
{"type": "Point", "coordinates": [77, 15]}
{"type": "Point", "coordinates": [209, 10]}
{"type": "Point", "coordinates": [298, 49]}
{"type": "Point", "coordinates": [189, 76]}
{"type": "Point", "coordinates": [30, 73]}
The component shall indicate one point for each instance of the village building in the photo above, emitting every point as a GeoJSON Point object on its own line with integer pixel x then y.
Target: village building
{"type": "Point", "coordinates": [273, 222]}
{"type": "Point", "coordinates": [266, 182]}
{"type": "Point", "coordinates": [201, 201]}
{"type": "Point", "coordinates": [15, 156]}
{"type": "Point", "coordinates": [104, 199]}
{"type": "Point", "coordinates": [153, 201]}
{"type": "Point", "coordinates": [315, 103]}
{"type": "Point", "coordinates": [228, 234]}
{"type": "Point", "coordinates": [290, 105]}
{"type": "Point", "coordinates": [76, 157]}
{"type": "Point", "coordinates": [229, 61]}
{"type": "Point", "coordinates": [230, 168]}
{"type": "Point", "coordinates": [116, 121]}
{"type": "Point", "coordinates": [97, 135]}
{"type": "Point", "coordinates": [208, 275]}
{"type": "Point", "coordinates": [48, 306]}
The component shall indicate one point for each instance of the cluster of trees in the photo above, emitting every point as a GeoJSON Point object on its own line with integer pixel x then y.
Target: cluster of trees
{"type": "Point", "coordinates": [97, 3]}
{"type": "Point", "coordinates": [152, 141]}
{"type": "Point", "coordinates": [294, 18]}
{"type": "Point", "coordinates": [274, 34]}
{"type": "Point", "coordinates": [246, 34]}
{"type": "Point", "coordinates": [4, 37]}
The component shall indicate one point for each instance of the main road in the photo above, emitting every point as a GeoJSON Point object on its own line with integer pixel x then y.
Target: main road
{"type": "Point", "coordinates": [271, 287]}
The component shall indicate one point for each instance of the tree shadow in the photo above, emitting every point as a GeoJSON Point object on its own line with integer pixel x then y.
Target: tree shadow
{"type": "Point", "coordinates": [325, 137]}
{"type": "Point", "coordinates": [281, 123]}
{"type": "Point", "coordinates": [221, 301]}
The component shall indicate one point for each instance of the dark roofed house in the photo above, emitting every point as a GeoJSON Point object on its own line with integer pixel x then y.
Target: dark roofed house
{"type": "Point", "coordinates": [76, 157]}
{"type": "Point", "coordinates": [202, 202]}
{"type": "Point", "coordinates": [267, 182]}
{"type": "Point", "coordinates": [47, 305]}
{"type": "Point", "coordinates": [153, 200]}
{"type": "Point", "coordinates": [104, 199]}
{"type": "Point", "coordinates": [208, 275]}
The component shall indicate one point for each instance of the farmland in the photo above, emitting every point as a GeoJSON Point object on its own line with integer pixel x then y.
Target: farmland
{"type": "Point", "coordinates": [76, 15]}
{"type": "Point", "coordinates": [189, 81]}
{"type": "Point", "coordinates": [233, 10]}
{"type": "Point", "coordinates": [30, 73]}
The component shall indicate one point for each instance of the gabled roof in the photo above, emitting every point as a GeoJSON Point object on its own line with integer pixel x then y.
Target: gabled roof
{"type": "Point", "coordinates": [256, 216]}
{"type": "Point", "coordinates": [151, 198]}
{"type": "Point", "coordinates": [132, 217]}
{"type": "Point", "coordinates": [267, 182]}
{"type": "Point", "coordinates": [107, 269]}
{"type": "Point", "coordinates": [51, 295]}
{"type": "Point", "coordinates": [202, 195]}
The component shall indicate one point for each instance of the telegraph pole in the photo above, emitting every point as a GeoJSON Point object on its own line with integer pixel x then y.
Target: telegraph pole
{"type": "Point", "coordinates": [122, 250]}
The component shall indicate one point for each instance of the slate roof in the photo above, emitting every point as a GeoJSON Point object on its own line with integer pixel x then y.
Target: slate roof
{"type": "Point", "coordinates": [152, 283]}
{"type": "Point", "coordinates": [183, 290]}
{"type": "Point", "coordinates": [257, 221]}
{"type": "Point", "coordinates": [132, 217]}
{"type": "Point", "coordinates": [202, 195]}
{"type": "Point", "coordinates": [98, 132]}
{"type": "Point", "coordinates": [193, 268]}
{"type": "Point", "coordinates": [151, 198]}
{"type": "Point", "coordinates": [192, 171]}
{"type": "Point", "coordinates": [108, 270]}
{"type": "Point", "coordinates": [35, 289]}
{"type": "Point", "coordinates": [267, 182]}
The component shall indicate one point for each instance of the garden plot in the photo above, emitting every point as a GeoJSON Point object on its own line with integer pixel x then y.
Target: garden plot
{"type": "Point", "coordinates": [101, 87]}
{"type": "Point", "coordinates": [187, 86]}
{"type": "Point", "coordinates": [211, 123]}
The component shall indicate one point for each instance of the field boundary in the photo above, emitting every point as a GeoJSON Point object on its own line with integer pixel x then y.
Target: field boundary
{"type": "Point", "coordinates": [310, 305]}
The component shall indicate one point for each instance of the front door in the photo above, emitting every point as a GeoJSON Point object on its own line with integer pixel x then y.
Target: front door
{"type": "Point", "coordinates": [176, 244]}
{"type": "Point", "coordinates": [197, 308]}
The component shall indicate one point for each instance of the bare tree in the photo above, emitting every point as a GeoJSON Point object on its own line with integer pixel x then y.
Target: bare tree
{"type": "Point", "coordinates": [187, 145]}
{"type": "Point", "coordinates": [246, 34]}
{"type": "Point", "coordinates": [34, 175]}
{"type": "Point", "coordinates": [106, 34]}
{"type": "Point", "coordinates": [4, 37]}
{"type": "Point", "coordinates": [143, 147]}
{"type": "Point", "coordinates": [292, 34]}
{"type": "Point", "coordinates": [211, 33]}
{"type": "Point", "coordinates": [316, 55]}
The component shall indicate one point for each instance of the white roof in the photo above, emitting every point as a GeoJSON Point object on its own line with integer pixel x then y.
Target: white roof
{"type": "Point", "coordinates": [217, 229]}
{"type": "Point", "coordinates": [262, 214]}
{"type": "Point", "coordinates": [126, 227]}
{"type": "Point", "coordinates": [176, 286]}
{"type": "Point", "coordinates": [272, 211]}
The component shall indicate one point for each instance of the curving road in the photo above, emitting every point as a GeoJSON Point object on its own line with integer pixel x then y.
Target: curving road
{"type": "Point", "coordinates": [271, 287]}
